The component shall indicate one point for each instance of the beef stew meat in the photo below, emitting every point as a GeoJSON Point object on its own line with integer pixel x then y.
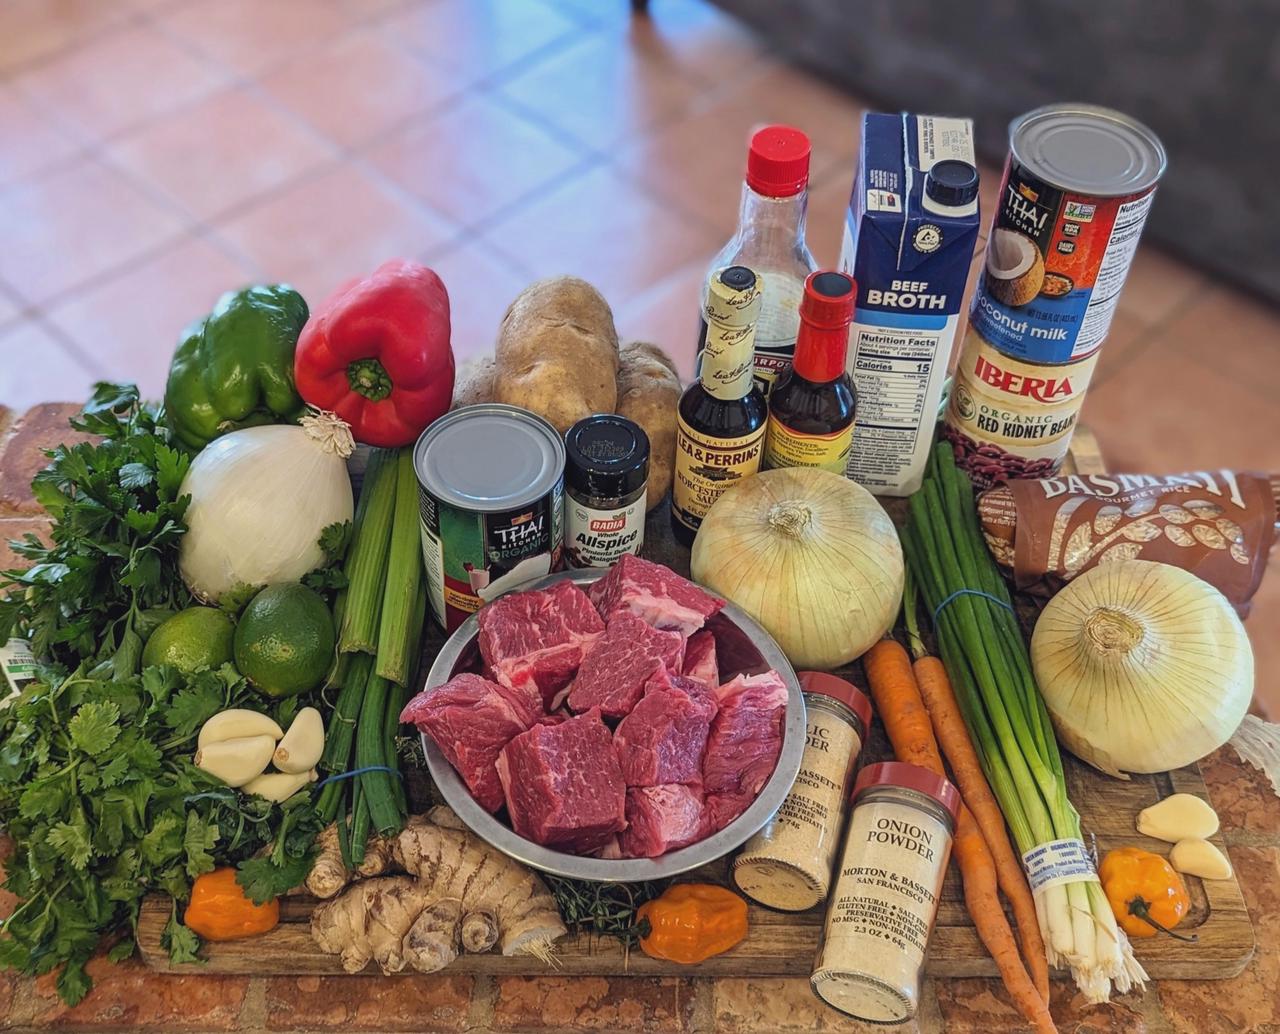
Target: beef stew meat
{"type": "Point", "coordinates": [654, 593]}
{"type": "Point", "coordinates": [700, 658]}
{"type": "Point", "coordinates": [660, 819]}
{"type": "Point", "coordinates": [743, 747]}
{"type": "Point", "coordinates": [619, 663]}
{"type": "Point", "coordinates": [664, 738]}
{"type": "Point", "coordinates": [538, 638]}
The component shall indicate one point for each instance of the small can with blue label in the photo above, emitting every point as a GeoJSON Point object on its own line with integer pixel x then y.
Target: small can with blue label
{"type": "Point", "coordinates": [1077, 188]}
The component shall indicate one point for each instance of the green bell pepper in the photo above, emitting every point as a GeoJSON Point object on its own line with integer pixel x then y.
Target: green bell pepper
{"type": "Point", "coordinates": [234, 368]}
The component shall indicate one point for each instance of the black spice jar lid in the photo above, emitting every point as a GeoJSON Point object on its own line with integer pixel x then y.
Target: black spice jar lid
{"type": "Point", "coordinates": [608, 456]}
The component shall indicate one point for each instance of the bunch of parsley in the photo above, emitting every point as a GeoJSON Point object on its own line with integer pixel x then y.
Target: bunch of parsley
{"type": "Point", "coordinates": [98, 791]}
{"type": "Point", "coordinates": [111, 574]}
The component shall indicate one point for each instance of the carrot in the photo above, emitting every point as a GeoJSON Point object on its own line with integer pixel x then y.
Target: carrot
{"type": "Point", "coordinates": [901, 709]}
{"type": "Point", "coordinates": [952, 734]}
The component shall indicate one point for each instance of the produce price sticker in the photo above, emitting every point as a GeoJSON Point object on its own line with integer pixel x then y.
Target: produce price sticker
{"type": "Point", "coordinates": [1056, 862]}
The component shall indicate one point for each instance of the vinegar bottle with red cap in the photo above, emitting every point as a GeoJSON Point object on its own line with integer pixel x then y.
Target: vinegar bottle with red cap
{"type": "Point", "coordinates": [812, 405]}
{"type": "Point", "coordinates": [770, 241]}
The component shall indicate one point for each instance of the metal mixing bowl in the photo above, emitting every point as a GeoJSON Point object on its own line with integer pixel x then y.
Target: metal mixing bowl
{"type": "Point", "coordinates": [742, 646]}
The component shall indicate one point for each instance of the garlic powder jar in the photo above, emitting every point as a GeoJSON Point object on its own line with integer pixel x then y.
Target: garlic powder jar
{"type": "Point", "coordinates": [886, 892]}
{"type": "Point", "coordinates": [787, 865]}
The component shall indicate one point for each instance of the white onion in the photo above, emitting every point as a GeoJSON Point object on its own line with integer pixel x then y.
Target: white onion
{"type": "Point", "coordinates": [1143, 667]}
{"type": "Point", "coordinates": [259, 499]}
{"type": "Point", "coordinates": [810, 555]}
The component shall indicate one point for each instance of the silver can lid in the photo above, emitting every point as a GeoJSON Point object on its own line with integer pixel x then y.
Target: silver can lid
{"type": "Point", "coordinates": [489, 458]}
{"type": "Point", "coordinates": [1088, 149]}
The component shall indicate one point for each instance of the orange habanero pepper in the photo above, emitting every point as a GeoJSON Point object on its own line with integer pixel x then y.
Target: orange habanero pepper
{"type": "Point", "coordinates": [691, 922]}
{"type": "Point", "coordinates": [219, 910]}
{"type": "Point", "coordinates": [1146, 893]}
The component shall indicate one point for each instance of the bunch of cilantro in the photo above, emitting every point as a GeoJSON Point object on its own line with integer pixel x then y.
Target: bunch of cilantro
{"type": "Point", "coordinates": [111, 574]}
{"type": "Point", "coordinates": [98, 792]}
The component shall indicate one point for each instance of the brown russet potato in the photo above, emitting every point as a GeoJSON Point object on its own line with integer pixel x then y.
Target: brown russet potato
{"type": "Point", "coordinates": [648, 393]}
{"type": "Point", "coordinates": [474, 382]}
{"type": "Point", "coordinates": [557, 352]}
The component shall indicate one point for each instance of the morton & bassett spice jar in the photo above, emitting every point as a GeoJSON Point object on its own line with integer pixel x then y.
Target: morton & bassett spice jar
{"type": "Point", "coordinates": [886, 892]}
{"type": "Point", "coordinates": [787, 865]}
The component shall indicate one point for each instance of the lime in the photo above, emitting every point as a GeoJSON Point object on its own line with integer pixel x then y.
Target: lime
{"type": "Point", "coordinates": [198, 637]}
{"type": "Point", "coordinates": [284, 640]}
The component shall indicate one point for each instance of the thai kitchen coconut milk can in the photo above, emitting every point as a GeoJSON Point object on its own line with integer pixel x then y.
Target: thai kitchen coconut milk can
{"type": "Point", "coordinates": [1076, 191]}
{"type": "Point", "coordinates": [491, 495]}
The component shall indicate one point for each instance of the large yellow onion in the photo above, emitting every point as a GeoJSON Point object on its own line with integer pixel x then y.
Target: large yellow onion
{"type": "Point", "coordinates": [811, 556]}
{"type": "Point", "coordinates": [1143, 667]}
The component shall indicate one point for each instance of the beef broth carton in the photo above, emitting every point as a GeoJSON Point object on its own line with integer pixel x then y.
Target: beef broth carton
{"type": "Point", "coordinates": [908, 242]}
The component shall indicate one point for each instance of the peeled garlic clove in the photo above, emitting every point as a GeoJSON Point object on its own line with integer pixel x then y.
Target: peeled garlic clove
{"type": "Point", "coordinates": [236, 761]}
{"type": "Point", "coordinates": [237, 723]}
{"type": "Point", "coordinates": [303, 744]}
{"type": "Point", "coordinates": [1181, 816]}
{"type": "Point", "coordinates": [279, 786]}
{"type": "Point", "coordinates": [1200, 858]}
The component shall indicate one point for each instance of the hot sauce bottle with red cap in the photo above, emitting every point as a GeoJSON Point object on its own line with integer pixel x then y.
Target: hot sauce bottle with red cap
{"type": "Point", "coordinates": [770, 241]}
{"type": "Point", "coordinates": [812, 405]}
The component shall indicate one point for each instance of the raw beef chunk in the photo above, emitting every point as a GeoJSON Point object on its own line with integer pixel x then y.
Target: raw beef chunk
{"type": "Point", "coordinates": [537, 638]}
{"type": "Point", "coordinates": [562, 784]}
{"type": "Point", "coordinates": [743, 748]}
{"type": "Point", "coordinates": [663, 739]}
{"type": "Point", "coordinates": [655, 593]}
{"type": "Point", "coordinates": [471, 719]}
{"type": "Point", "coordinates": [660, 819]}
{"type": "Point", "coordinates": [700, 658]}
{"type": "Point", "coordinates": [618, 664]}
{"type": "Point", "coordinates": [699, 692]}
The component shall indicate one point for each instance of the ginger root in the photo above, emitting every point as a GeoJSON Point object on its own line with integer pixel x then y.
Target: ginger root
{"type": "Point", "coordinates": [458, 894]}
{"type": "Point", "coordinates": [328, 875]}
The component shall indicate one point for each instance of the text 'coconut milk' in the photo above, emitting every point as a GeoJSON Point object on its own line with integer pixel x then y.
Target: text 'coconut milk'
{"type": "Point", "coordinates": [908, 242]}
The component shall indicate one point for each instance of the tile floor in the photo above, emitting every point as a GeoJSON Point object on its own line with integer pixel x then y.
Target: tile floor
{"type": "Point", "coordinates": [154, 153]}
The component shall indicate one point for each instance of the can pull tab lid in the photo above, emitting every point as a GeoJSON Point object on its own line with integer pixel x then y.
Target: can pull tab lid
{"type": "Point", "coordinates": [951, 187]}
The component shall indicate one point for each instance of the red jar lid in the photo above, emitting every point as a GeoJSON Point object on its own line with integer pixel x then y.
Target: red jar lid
{"type": "Point", "coordinates": [838, 689]}
{"type": "Point", "coordinates": [778, 161]}
{"type": "Point", "coordinates": [909, 777]}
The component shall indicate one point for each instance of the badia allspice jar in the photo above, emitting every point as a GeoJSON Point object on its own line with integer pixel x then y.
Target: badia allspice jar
{"type": "Point", "coordinates": [606, 470]}
{"type": "Point", "coordinates": [886, 892]}
{"type": "Point", "coordinates": [787, 865]}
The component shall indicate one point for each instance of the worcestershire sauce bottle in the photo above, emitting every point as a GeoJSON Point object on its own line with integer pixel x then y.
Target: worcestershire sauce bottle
{"type": "Point", "coordinates": [811, 408]}
{"type": "Point", "coordinates": [720, 422]}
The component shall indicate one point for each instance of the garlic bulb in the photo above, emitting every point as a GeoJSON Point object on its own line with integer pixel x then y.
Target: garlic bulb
{"type": "Point", "coordinates": [810, 555]}
{"type": "Point", "coordinates": [1143, 667]}
{"type": "Point", "coordinates": [260, 497]}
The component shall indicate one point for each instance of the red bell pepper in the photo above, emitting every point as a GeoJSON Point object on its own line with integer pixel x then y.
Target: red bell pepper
{"type": "Point", "coordinates": [377, 353]}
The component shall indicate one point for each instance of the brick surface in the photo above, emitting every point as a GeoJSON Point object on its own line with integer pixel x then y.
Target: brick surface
{"type": "Point", "coordinates": [1251, 1001]}
{"type": "Point", "coordinates": [1240, 794]}
{"type": "Point", "coordinates": [41, 427]}
{"type": "Point", "coordinates": [15, 529]}
{"type": "Point", "coordinates": [979, 1006]}
{"type": "Point", "coordinates": [128, 996]}
{"type": "Point", "coordinates": [402, 1003]}
{"type": "Point", "coordinates": [784, 1004]}
{"type": "Point", "coordinates": [594, 1003]}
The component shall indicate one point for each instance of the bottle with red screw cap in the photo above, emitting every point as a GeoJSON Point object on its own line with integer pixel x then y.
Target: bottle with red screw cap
{"type": "Point", "coordinates": [770, 241]}
{"type": "Point", "coordinates": [813, 404]}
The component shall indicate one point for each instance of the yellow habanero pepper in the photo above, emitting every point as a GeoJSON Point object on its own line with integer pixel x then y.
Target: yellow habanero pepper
{"type": "Point", "coordinates": [691, 922]}
{"type": "Point", "coordinates": [1146, 893]}
{"type": "Point", "coordinates": [219, 910]}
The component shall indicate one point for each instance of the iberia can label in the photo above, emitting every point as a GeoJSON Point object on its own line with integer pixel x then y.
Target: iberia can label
{"type": "Point", "coordinates": [1012, 419]}
{"type": "Point", "coordinates": [706, 466]}
{"type": "Point", "coordinates": [491, 498]}
{"type": "Point", "coordinates": [1077, 188]}
{"type": "Point", "coordinates": [786, 447]}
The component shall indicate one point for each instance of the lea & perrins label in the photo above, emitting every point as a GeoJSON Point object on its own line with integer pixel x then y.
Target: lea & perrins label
{"type": "Point", "coordinates": [721, 419]}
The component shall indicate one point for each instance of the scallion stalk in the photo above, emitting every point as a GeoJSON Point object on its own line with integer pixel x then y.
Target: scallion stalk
{"type": "Point", "coordinates": [982, 647]}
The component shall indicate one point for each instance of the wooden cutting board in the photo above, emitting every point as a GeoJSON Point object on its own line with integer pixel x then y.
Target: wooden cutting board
{"type": "Point", "coordinates": [784, 944]}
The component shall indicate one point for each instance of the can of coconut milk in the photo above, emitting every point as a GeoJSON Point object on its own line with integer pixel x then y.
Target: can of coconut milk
{"type": "Point", "coordinates": [1076, 191]}
{"type": "Point", "coordinates": [491, 499]}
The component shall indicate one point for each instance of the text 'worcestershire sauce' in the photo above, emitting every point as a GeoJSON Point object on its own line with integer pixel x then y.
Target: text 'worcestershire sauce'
{"type": "Point", "coordinates": [721, 418]}
{"type": "Point", "coordinates": [812, 406]}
